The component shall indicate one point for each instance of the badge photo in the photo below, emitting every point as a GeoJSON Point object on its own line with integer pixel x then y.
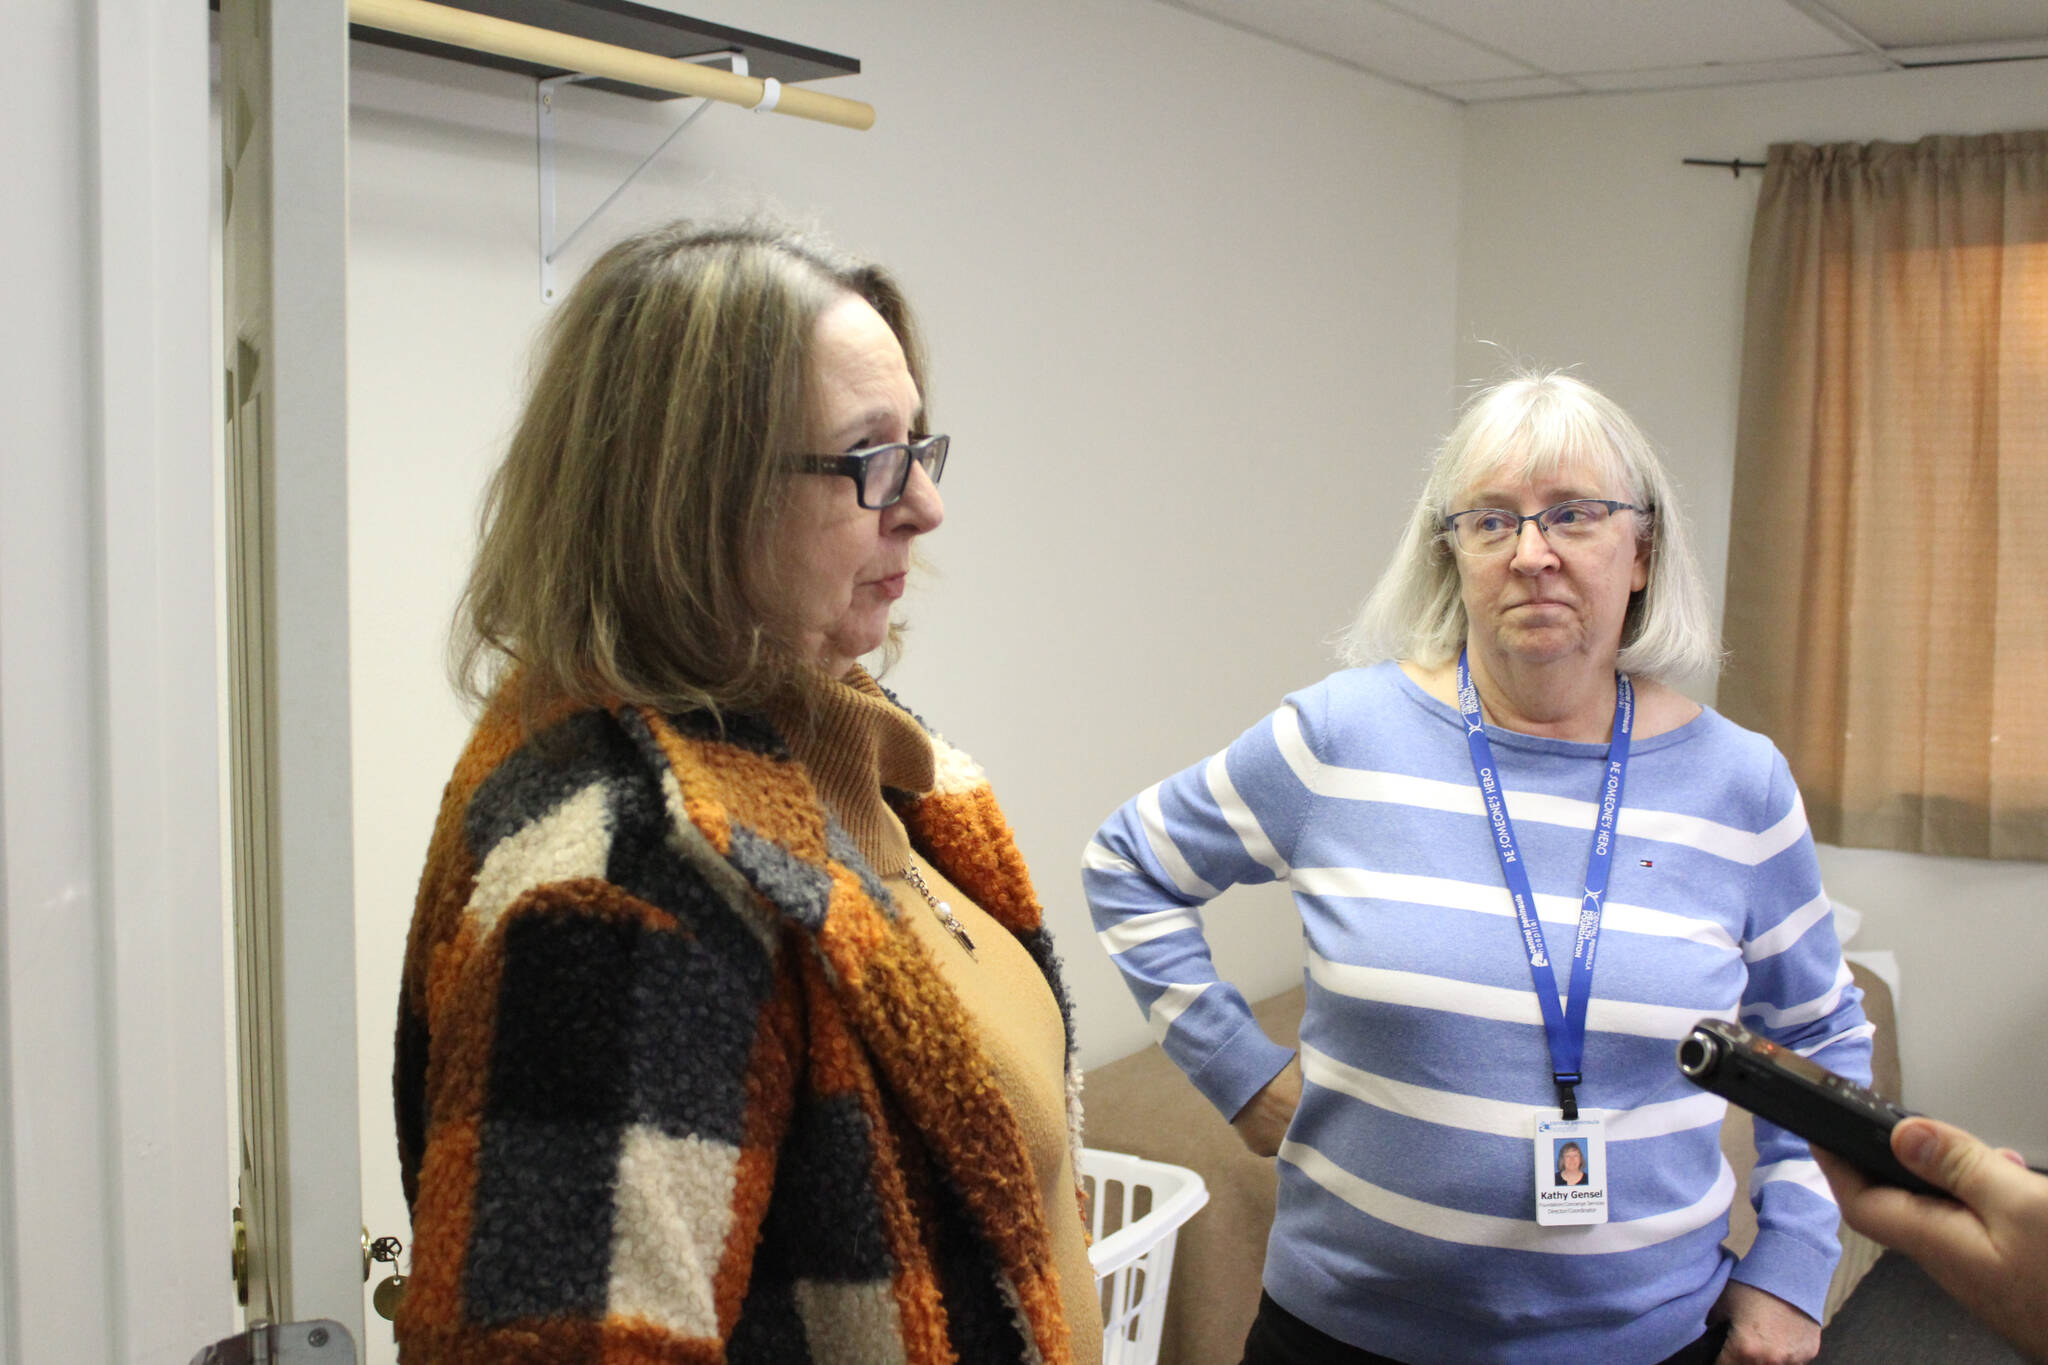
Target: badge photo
{"type": "Point", "coordinates": [1571, 1172]}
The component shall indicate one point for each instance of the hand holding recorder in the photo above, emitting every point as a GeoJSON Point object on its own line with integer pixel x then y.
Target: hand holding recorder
{"type": "Point", "coordinates": [1987, 1244]}
{"type": "Point", "coordinates": [1975, 1219]}
{"type": "Point", "coordinates": [1798, 1095]}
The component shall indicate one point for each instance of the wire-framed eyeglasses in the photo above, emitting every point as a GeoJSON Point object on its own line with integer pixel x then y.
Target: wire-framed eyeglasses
{"type": "Point", "coordinates": [881, 473]}
{"type": "Point", "coordinates": [1490, 530]}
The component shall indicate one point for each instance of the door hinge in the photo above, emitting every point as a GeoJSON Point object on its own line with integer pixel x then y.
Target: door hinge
{"type": "Point", "coordinates": [320, 1342]}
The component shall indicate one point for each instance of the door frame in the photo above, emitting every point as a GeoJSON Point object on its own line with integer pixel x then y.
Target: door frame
{"type": "Point", "coordinates": [284, 285]}
{"type": "Point", "coordinates": [114, 941]}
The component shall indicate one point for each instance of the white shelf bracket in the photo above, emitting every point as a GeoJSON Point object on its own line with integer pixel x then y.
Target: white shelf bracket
{"type": "Point", "coordinates": [544, 144]}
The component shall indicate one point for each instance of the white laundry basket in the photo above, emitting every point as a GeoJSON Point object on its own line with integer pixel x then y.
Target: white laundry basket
{"type": "Point", "coordinates": [1135, 1209]}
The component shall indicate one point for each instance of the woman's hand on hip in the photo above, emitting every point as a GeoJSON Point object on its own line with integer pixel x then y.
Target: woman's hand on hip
{"type": "Point", "coordinates": [1763, 1329]}
{"type": "Point", "coordinates": [1262, 1123]}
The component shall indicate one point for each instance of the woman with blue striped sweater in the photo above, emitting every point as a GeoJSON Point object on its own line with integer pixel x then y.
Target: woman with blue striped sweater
{"type": "Point", "coordinates": [1504, 794]}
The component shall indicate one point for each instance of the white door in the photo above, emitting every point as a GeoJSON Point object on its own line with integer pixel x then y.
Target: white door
{"type": "Point", "coordinates": [113, 1040]}
{"type": "Point", "coordinates": [284, 106]}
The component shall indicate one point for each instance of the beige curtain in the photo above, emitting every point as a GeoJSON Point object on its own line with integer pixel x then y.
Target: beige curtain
{"type": "Point", "coordinates": [1887, 614]}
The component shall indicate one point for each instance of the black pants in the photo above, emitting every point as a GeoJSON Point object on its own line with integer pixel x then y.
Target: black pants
{"type": "Point", "coordinates": [1280, 1338]}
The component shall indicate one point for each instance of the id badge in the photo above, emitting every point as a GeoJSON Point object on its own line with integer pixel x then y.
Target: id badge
{"type": "Point", "coordinates": [1571, 1172]}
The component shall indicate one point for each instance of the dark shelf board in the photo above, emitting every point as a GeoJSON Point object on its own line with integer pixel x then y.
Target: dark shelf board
{"type": "Point", "coordinates": [625, 24]}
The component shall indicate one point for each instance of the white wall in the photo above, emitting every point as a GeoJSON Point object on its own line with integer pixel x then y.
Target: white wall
{"type": "Point", "coordinates": [1584, 241]}
{"type": "Point", "coordinates": [1973, 1013]}
{"type": "Point", "coordinates": [1190, 343]}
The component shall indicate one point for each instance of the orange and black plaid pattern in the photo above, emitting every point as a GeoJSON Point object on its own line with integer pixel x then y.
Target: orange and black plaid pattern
{"type": "Point", "coordinates": [673, 1088]}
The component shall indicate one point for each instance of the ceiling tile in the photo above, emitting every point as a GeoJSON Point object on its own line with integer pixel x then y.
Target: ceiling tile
{"type": "Point", "coordinates": [1730, 73]}
{"type": "Point", "coordinates": [1618, 35]}
{"type": "Point", "coordinates": [1472, 50]}
{"type": "Point", "coordinates": [1917, 23]}
{"type": "Point", "coordinates": [1513, 88]}
{"type": "Point", "coordinates": [1366, 34]}
{"type": "Point", "coordinates": [1948, 54]}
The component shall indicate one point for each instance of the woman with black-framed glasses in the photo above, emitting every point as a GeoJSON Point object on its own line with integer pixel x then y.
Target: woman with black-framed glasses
{"type": "Point", "coordinates": [881, 473]}
{"type": "Point", "coordinates": [730, 1027]}
{"type": "Point", "coordinates": [1504, 790]}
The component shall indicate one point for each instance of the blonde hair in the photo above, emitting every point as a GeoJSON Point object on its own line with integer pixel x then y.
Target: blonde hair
{"type": "Point", "coordinates": [1531, 426]}
{"type": "Point", "coordinates": [621, 551]}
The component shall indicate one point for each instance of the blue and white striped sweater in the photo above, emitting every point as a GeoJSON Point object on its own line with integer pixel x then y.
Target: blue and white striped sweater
{"type": "Point", "coordinates": [1406, 1218]}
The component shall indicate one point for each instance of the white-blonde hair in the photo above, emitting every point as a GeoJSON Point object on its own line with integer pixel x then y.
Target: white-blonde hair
{"type": "Point", "coordinates": [1532, 426]}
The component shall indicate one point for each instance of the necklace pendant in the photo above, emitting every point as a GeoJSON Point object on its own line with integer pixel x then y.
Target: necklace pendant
{"type": "Point", "coordinates": [954, 926]}
{"type": "Point", "coordinates": [941, 909]}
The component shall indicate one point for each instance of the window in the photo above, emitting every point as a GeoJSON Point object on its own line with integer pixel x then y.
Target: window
{"type": "Point", "coordinates": [1887, 606]}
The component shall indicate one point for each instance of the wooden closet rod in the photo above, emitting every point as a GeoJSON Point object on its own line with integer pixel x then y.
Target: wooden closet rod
{"type": "Point", "coordinates": [482, 33]}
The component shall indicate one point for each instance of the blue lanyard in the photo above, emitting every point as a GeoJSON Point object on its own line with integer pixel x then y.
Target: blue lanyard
{"type": "Point", "coordinates": [1566, 1029]}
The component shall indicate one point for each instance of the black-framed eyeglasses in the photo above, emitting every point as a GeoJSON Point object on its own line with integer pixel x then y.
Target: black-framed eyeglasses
{"type": "Point", "coordinates": [1490, 530]}
{"type": "Point", "coordinates": [881, 473]}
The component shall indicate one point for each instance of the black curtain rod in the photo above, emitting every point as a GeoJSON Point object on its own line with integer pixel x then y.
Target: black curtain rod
{"type": "Point", "coordinates": [1738, 166]}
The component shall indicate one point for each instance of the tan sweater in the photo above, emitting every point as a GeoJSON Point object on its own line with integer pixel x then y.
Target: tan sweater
{"type": "Point", "coordinates": [854, 742]}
